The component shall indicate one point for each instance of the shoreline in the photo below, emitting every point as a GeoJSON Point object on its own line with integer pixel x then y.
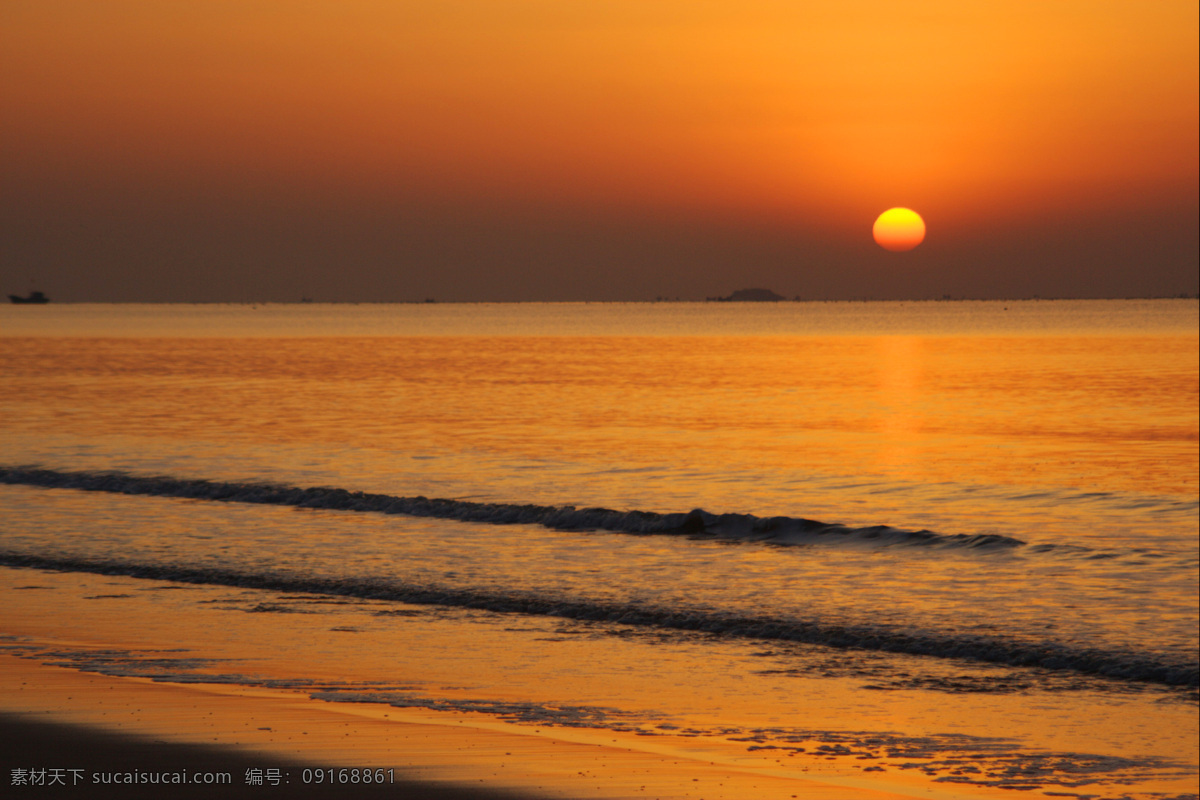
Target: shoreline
{"type": "Point", "coordinates": [445, 702]}
{"type": "Point", "coordinates": [57, 718]}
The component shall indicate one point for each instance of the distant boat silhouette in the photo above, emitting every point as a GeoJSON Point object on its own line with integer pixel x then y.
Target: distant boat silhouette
{"type": "Point", "coordinates": [34, 297]}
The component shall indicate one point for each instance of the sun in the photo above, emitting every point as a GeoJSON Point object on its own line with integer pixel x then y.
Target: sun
{"type": "Point", "coordinates": [899, 229]}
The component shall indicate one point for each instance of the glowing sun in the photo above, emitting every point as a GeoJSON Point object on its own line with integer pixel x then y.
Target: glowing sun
{"type": "Point", "coordinates": [899, 229]}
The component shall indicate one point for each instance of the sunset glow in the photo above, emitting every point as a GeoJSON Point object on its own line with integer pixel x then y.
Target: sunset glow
{"type": "Point", "coordinates": [491, 142]}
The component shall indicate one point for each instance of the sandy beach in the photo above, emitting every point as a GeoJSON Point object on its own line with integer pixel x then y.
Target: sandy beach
{"type": "Point", "coordinates": [88, 727]}
{"type": "Point", "coordinates": [99, 689]}
{"type": "Point", "coordinates": [120, 758]}
{"type": "Point", "coordinates": [96, 685]}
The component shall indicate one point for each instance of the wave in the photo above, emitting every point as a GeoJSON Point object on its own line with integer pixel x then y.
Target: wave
{"type": "Point", "coordinates": [698, 523]}
{"type": "Point", "coordinates": [1114, 664]}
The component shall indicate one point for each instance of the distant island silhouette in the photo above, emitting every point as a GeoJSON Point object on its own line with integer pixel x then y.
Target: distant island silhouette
{"type": "Point", "coordinates": [749, 295]}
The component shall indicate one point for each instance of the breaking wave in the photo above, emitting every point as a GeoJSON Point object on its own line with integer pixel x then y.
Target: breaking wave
{"type": "Point", "coordinates": [696, 523]}
{"type": "Point", "coordinates": [1116, 664]}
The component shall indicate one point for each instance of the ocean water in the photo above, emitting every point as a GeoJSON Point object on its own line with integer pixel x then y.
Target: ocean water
{"type": "Point", "coordinates": [924, 533]}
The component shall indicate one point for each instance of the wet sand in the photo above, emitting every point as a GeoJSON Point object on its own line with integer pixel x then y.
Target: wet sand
{"type": "Point", "coordinates": [31, 743]}
{"type": "Point", "coordinates": [86, 725]}
{"type": "Point", "coordinates": [138, 675]}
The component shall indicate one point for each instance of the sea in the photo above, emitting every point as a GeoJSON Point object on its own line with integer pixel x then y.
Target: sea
{"type": "Point", "coordinates": [955, 538]}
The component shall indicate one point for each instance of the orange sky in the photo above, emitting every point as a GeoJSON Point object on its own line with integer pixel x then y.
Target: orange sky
{"type": "Point", "coordinates": [769, 124]}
